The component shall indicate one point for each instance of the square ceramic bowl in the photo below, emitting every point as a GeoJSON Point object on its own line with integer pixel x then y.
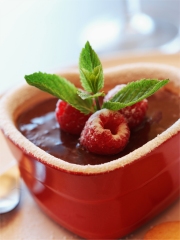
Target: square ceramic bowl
{"type": "Point", "coordinates": [103, 201]}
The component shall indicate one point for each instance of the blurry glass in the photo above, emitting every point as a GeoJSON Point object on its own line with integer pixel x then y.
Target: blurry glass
{"type": "Point", "coordinates": [135, 29]}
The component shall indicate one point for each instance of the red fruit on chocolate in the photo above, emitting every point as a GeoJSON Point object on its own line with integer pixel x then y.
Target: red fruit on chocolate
{"type": "Point", "coordinates": [69, 118]}
{"type": "Point", "coordinates": [134, 114]}
{"type": "Point", "coordinates": [106, 132]}
{"type": "Point", "coordinates": [113, 91]}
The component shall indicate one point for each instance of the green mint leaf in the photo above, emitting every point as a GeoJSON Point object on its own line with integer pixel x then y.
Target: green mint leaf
{"type": "Point", "coordinates": [91, 71]}
{"type": "Point", "coordinates": [60, 88]}
{"type": "Point", "coordinates": [86, 95]}
{"type": "Point", "coordinates": [134, 92]}
{"type": "Point", "coordinates": [115, 106]}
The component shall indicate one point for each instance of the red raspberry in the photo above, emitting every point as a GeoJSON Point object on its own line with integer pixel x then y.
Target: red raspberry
{"type": "Point", "coordinates": [113, 91]}
{"type": "Point", "coordinates": [69, 118]}
{"type": "Point", "coordinates": [106, 132]}
{"type": "Point", "coordinates": [135, 113]}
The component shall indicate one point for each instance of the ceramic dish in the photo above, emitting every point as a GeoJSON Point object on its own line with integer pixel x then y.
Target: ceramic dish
{"type": "Point", "coordinates": [98, 201]}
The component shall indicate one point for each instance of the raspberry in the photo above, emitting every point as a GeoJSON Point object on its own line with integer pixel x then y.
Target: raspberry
{"type": "Point", "coordinates": [106, 132]}
{"type": "Point", "coordinates": [134, 114]}
{"type": "Point", "coordinates": [69, 118]}
{"type": "Point", "coordinates": [113, 91]}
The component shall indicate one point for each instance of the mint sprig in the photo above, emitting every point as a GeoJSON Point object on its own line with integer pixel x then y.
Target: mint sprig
{"type": "Point", "coordinates": [92, 80]}
{"type": "Point", "coordinates": [91, 71]}
{"type": "Point", "coordinates": [60, 88]}
{"type": "Point", "coordinates": [86, 95]}
{"type": "Point", "coordinates": [134, 92]}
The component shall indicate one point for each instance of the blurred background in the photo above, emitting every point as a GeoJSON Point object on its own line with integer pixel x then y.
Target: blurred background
{"type": "Point", "coordinates": [47, 35]}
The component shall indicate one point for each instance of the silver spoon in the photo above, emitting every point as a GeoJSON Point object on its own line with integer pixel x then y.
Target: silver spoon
{"type": "Point", "coordinates": [9, 190]}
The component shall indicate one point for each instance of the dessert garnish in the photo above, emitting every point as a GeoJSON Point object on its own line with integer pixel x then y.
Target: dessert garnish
{"type": "Point", "coordinates": [103, 127]}
{"type": "Point", "coordinates": [135, 113]}
{"type": "Point", "coordinates": [70, 119]}
{"type": "Point", "coordinates": [105, 132]}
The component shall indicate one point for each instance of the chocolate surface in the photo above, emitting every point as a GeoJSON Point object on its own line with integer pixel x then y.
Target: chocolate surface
{"type": "Point", "coordinates": [39, 125]}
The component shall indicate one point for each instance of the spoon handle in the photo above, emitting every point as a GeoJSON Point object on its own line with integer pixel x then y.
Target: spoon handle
{"type": "Point", "coordinates": [9, 190]}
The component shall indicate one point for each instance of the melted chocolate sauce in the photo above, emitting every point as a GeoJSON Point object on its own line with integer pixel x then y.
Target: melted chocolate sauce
{"type": "Point", "coordinates": [39, 125]}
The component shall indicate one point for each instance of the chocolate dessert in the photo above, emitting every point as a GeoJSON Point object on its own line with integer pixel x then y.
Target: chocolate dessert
{"type": "Point", "coordinates": [40, 126]}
